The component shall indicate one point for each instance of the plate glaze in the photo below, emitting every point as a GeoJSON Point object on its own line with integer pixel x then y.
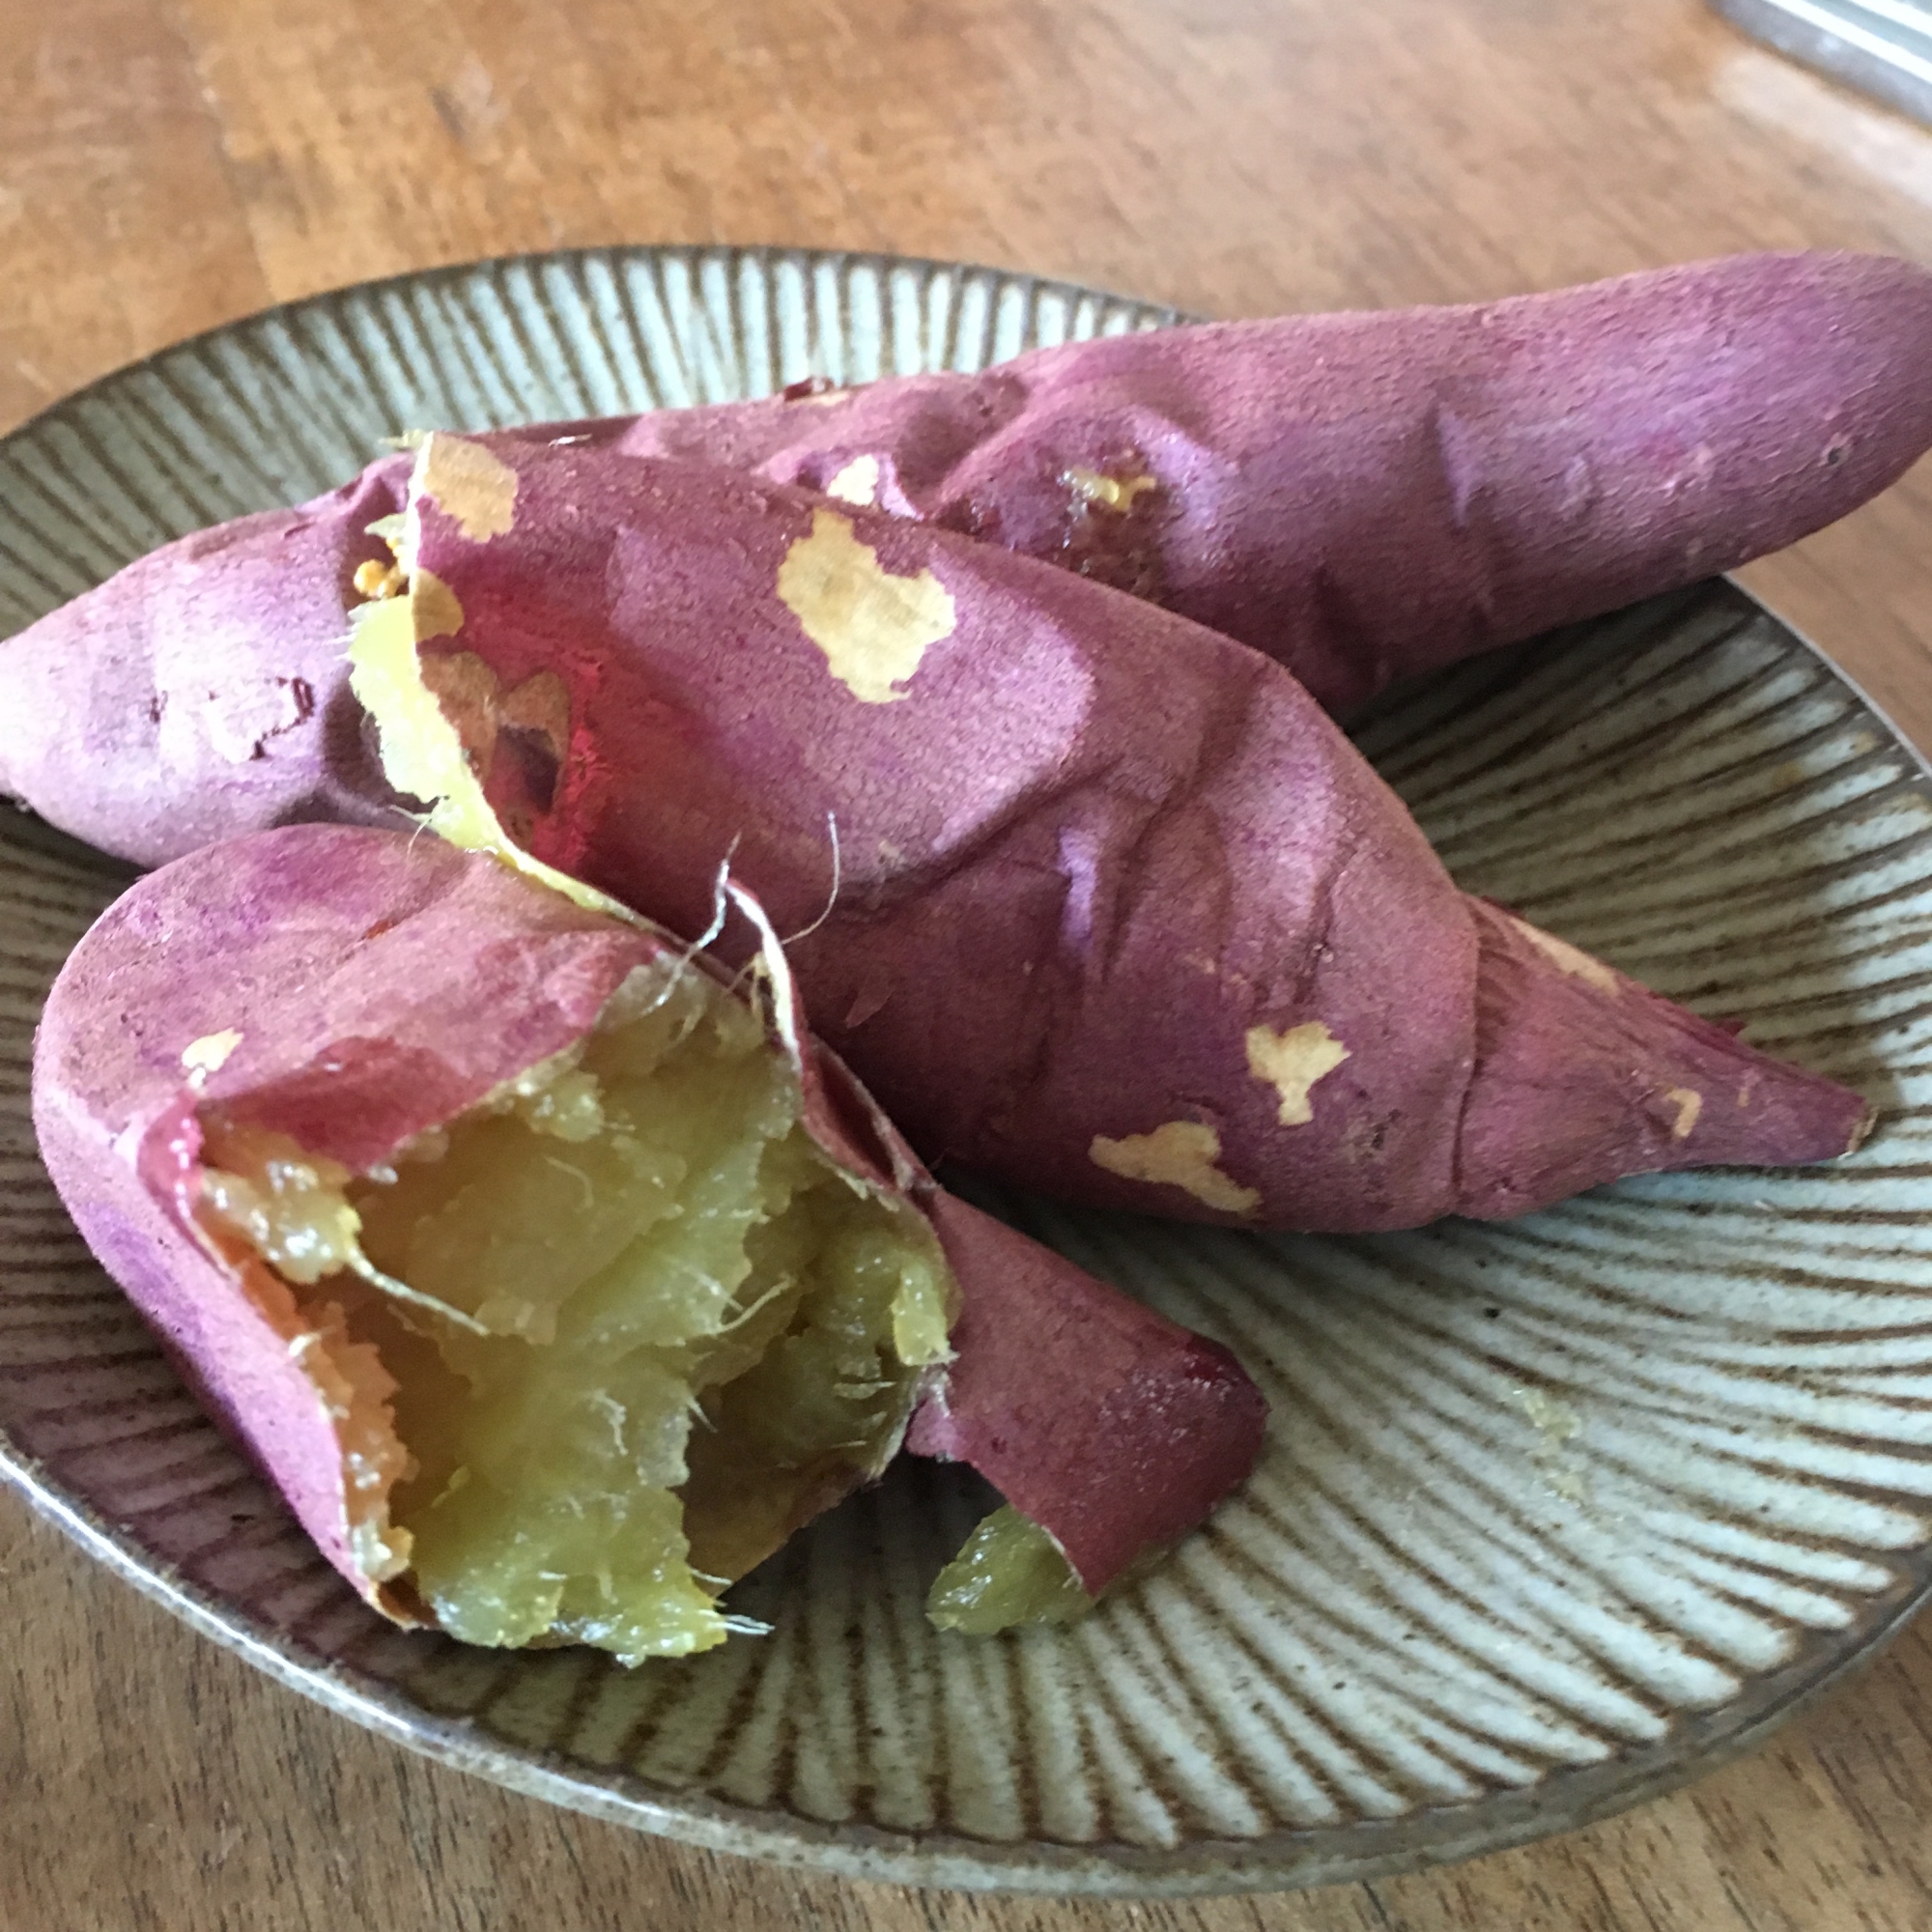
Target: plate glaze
{"type": "Point", "coordinates": [1552, 1516]}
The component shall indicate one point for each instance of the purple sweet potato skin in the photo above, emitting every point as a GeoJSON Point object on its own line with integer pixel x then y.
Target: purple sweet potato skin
{"type": "Point", "coordinates": [1365, 497]}
{"type": "Point", "coordinates": [1088, 856]}
{"type": "Point", "coordinates": [1579, 1070]}
{"type": "Point", "coordinates": [381, 985]}
{"type": "Point", "coordinates": [201, 692]}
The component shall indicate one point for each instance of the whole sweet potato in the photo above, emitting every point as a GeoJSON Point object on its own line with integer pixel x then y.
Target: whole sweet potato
{"type": "Point", "coordinates": [552, 1284]}
{"type": "Point", "coordinates": [1361, 495]}
{"type": "Point", "coordinates": [1364, 497]}
{"type": "Point", "coordinates": [1090, 896]}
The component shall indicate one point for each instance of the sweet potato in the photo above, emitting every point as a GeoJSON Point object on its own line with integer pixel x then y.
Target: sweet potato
{"type": "Point", "coordinates": [201, 692]}
{"type": "Point", "coordinates": [463, 1204]}
{"type": "Point", "coordinates": [1363, 497]}
{"type": "Point", "coordinates": [1090, 897]}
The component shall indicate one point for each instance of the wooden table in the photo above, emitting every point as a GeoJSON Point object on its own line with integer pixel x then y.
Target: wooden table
{"type": "Point", "coordinates": [166, 164]}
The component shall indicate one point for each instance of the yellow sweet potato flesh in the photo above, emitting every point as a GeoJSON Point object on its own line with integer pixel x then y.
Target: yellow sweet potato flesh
{"type": "Point", "coordinates": [1009, 1570]}
{"type": "Point", "coordinates": [640, 1325]}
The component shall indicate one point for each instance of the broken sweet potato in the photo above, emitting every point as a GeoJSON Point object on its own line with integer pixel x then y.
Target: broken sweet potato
{"type": "Point", "coordinates": [553, 1282]}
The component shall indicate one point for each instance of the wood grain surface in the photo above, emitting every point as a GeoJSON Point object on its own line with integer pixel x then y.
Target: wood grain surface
{"type": "Point", "coordinates": [168, 164]}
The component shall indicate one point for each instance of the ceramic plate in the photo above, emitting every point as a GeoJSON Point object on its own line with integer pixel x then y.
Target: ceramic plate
{"type": "Point", "coordinates": [1552, 1516]}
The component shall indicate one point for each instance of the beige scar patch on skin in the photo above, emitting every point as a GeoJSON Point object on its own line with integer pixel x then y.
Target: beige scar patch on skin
{"type": "Point", "coordinates": [857, 483]}
{"type": "Point", "coordinates": [473, 699]}
{"type": "Point", "coordinates": [210, 1053]}
{"type": "Point", "coordinates": [1571, 959]}
{"type": "Point", "coordinates": [434, 610]}
{"type": "Point", "coordinates": [470, 485]}
{"type": "Point", "coordinates": [1108, 493]}
{"type": "Point", "coordinates": [1291, 1062]}
{"type": "Point", "coordinates": [1689, 1104]}
{"type": "Point", "coordinates": [375, 580]}
{"type": "Point", "coordinates": [1181, 1153]}
{"type": "Point", "coordinates": [874, 627]}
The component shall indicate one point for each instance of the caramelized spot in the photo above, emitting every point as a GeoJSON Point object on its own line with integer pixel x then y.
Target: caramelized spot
{"type": "Point", "coordinates": [355, 1390]}
{"type": "Point", "coordinates": [375, 578]}
{"type": "Point", "coordinates": [1108, 493]}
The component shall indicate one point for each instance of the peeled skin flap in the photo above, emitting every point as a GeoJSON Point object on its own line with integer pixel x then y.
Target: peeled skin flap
{"type": "Point", "coordinates": [351, 989]}
{"type": "Point", "coordinates": [1089, 898]}
{"type": "Point", "coordinates": [1129, 1455]}
{"type": "Point", "coordinates": [1363, 497]}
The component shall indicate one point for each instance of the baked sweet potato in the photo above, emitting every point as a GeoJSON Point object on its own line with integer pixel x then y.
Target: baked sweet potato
{"type": "Point", "coordinates": [555, 1285]}
{"type": "Point", "coordinates": [1363, 497]}
{"type": "Point", "coordinates": [1090, 896]}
